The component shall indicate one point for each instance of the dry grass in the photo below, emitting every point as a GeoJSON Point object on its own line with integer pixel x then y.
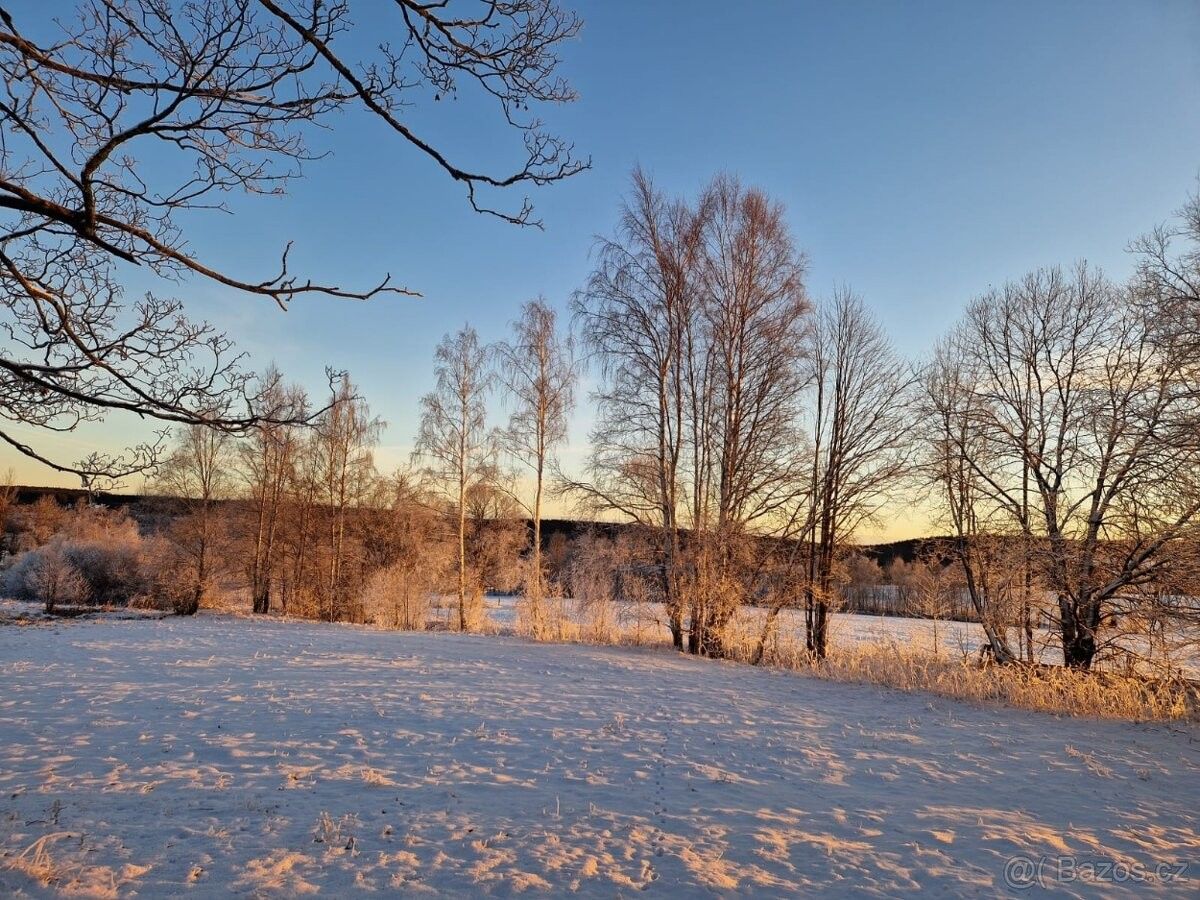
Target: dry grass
{"type": "Point", "coordinates": [1053, 689]}
{"type": "Point", "coordinates": [376, 777]}
{"type": "Point", "coordinates": [35, 861]}
{"type": "Point", "coordinates": [1045, 688]}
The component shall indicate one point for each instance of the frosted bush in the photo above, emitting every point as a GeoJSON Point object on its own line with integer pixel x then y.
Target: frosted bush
{"type": "Point", "coordinates": [48, 576]}
{"type": "Point", "coordinates": [96, 556]}
{"type": "Point", "coordinates": [396, 599]}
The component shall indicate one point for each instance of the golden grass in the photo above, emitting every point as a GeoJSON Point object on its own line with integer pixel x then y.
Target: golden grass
{"type": "Point", "coordinates": [36, 862]}
{"type": "Point", "coordinates": [1044, 688]}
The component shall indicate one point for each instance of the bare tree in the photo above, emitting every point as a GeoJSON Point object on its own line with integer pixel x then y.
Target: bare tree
{"type": "Point", "coordinates": [1168, 278]}
{"type": "Point", "coordinates": [745, 378]}
{"type": "Point", "coordinates": [497, 535]}
{"type": "Point", "coordinates": [300, 522]}
{"type": "Point", "coordinates": [635, 313]}
{"type": "Point", "coordinates": [698, 316]}
{"type": "Point", "coordinates": [933, 586]}
{"type": "Point", "coordinates": [956, 456]}
{"type": "Point", "coordinates": [453, 440]}
{"type": "Point", "coordinates": [227, 91]}
{"type": "Point", "coordinates": [537, 370]}
{"type": "Point", "coordinates": [268, 458]}
{"type": "Point", "coordinates": [754, 322]}
{"type": "Point", "coordinates": [343, 440]}
{"type": "Point", "coordinates": [197, 475]}
{"type": "Point", "coordinates": [55, 579]}
{"type": "Point", "coordinates": [1078, 433]}
{"type": "Point", "coordinates": [860, 421]}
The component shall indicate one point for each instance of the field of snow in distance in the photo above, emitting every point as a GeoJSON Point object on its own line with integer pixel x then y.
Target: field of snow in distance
{"type": "Point", "coordinates": [215, 755]}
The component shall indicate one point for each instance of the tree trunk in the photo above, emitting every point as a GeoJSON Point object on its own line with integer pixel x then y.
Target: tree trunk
{"type": "Point", "coordinates": [256, 579]}
{"type": "Point", "coordinates": [462, 555]}
{"type": "Point", "coordinates": [191, 605]}
{"type": "Point", "coordinates": [768, 630]}
{"type": "Point", "coordinates": [820, 637]}
{"type": "Point", "coordinates": [1079, 621]}
{"type": "Point", "coordinates": [536, 613]}
{"type": "Point", "coordinates": [671, 598]}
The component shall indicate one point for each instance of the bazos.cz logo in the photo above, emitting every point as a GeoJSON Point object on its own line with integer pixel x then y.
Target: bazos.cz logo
{"type": "Point", "coordinates": [1025, 872]}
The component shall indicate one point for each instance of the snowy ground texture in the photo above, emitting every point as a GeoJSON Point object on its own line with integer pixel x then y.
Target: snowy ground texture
{"type": "Point", "coordinates": [215, 755]}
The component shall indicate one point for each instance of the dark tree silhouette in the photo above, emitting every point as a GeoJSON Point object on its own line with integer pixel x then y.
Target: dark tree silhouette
{"type": "Point", "coordinates": [119, 121]}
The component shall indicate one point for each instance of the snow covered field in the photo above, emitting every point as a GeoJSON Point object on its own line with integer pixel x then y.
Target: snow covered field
{"type": "Point", "coordinates": [200, 756]}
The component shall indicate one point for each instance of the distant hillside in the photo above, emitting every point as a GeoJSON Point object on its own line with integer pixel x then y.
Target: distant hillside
{"type": "Point", "coordinates": [883, 554]}
{"type": "Point", "coordinates": [570, 529]}
{"type": "Point", "coordinates": [907, 550]}
{"type": "Point", "coordinates": [26, 494]}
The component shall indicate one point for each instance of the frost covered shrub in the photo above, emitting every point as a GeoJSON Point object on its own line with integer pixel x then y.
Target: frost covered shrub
{"type": "Point", "coordinates": [155, 601]}
{"type": "Point", "coordinates": [96, 556]}
{"type": "Point", "coordinates": [615, 598]}
{"type": "Point", "coordinates": [36, 523]}
{"type": "Point", "coordinates": [113, 570]}
{"type": "Point", "coordinates": [593, 587]}
{"type": "Point", "coordinates": [46, 576]}
{"type": "Point", "coordinates": [396, 598]}
{"type": "Point", "coordinates": [181, 577]}
{"type": "Point", "coordinates": [415, 562]}
{"type": "Point", "coordinates": [551, 621]}
{"type": "Point", "coordinates": [474, 614]}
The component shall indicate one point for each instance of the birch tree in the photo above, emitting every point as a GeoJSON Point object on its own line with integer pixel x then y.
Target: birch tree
{"type": "Point", "coordinates": [345, 475]}
{"type": "Point", "coordinates": [860, 419]}
{"type": "Point", "coordinates": [745, 364]}
{"type": "Point", "coordinates": [197, 473]}
{"type": "Point", "coordinates": [635, 313]}
{"type": "Point", "coordinates": [454, 443]}
{"type": "Point", "coordinates": [268, 459]}
{"type": "Point", "coordinates": [537, 371]}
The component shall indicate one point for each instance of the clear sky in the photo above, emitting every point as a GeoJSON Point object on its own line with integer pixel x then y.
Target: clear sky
{"type": "Point", "coordinates": [924, 151]}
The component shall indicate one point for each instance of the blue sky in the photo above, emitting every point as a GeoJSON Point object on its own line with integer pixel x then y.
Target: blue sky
{"type": "Point", "coordinates": [924, 151]}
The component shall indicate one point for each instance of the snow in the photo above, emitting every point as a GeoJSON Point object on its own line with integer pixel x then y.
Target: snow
{"type": "Point", "coordinates": [220, 754]}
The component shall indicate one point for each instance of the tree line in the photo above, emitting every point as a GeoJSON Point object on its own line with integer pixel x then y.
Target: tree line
{"type": "Point", "coordinates": [750, 428]}
{"type": "Point", "coordinates": [752, 431]}
{"type": "Point", "coordinates": [1053, 431]}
